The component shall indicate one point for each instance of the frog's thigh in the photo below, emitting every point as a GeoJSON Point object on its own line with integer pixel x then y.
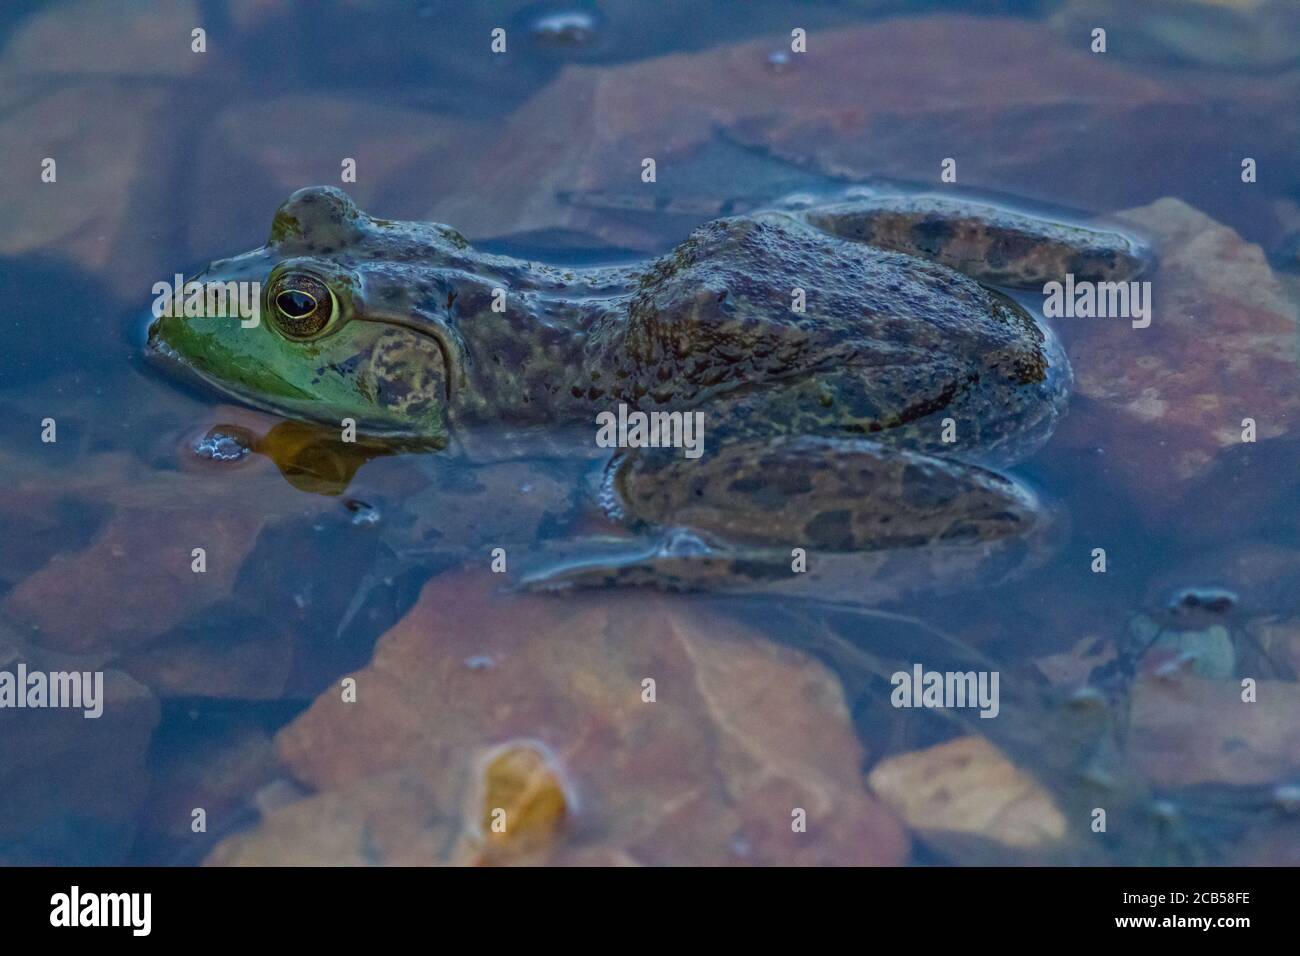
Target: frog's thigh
{"type": "Point", "coordinates": [989, 244]}
{"type": "Point", "coordinates": [826, 494]}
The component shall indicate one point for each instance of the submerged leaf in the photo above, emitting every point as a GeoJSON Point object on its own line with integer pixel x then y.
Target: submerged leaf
{"type": "Point", "coordinates": [968, 786]}
{"type": "Point", "coordinates": [1223, 345]}
{"type": "Point", "coordinates": [673, 734]}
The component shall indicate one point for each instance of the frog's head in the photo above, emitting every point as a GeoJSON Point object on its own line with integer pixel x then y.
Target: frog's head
{"type": "Point", "coordinates": [344, 316]}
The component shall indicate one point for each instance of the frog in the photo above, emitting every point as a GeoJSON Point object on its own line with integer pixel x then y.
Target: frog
{"type": "Point", "coordinates": [863, 374]}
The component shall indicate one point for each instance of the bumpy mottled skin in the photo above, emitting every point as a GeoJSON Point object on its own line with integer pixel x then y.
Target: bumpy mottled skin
{"type": "Point", "coordinates": [822, 427]}
{"type": "Point", "coordinates": [989, 244]}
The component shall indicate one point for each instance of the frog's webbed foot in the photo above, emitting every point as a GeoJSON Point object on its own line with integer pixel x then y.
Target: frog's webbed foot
{"type": "Point", "coordinates": [846, 519]}
{"type": "Point", "coordinates": [990, 244]}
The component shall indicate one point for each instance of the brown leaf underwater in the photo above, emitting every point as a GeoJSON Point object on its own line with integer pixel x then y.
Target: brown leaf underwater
{"type": "Point", "coordinates": [1186, 731]}
{"type": "Point", "coordinates": [883, 99]}
{"type": "Point", "coordinates": [742, 735]}
{"type": "Point", "coordinates": [967, 786]}
{"type": "Point", "coordinates": [1223, 346]}
{"type": "Point", "coordinates": [133, 580]}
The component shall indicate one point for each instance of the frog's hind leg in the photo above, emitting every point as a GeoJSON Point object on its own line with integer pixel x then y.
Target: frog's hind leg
{"type": "Point", "coordinates": [990, 244]}
{"type": "Point", "coordinates": [838, 518]}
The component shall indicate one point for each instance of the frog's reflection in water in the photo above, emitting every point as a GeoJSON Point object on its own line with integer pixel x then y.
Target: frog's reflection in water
{"type": "Point", "coordinates": [313, 458]}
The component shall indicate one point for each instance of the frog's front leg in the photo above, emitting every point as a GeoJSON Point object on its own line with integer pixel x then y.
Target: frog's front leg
{"type": "Point", "coordinates": [990, 244]}
{"type": "Point", "coordinates": [847, 519]}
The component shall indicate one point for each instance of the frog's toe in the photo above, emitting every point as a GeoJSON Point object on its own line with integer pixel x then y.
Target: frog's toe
{"type": "Point", "coordinates": [677, 560]}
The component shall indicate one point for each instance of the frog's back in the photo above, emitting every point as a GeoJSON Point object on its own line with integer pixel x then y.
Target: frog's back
{"type": "Point", "coordinates": [827, 336]}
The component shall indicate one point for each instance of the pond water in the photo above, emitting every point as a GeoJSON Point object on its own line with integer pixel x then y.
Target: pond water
{"type": "Point", "coordinates": [303, 652]}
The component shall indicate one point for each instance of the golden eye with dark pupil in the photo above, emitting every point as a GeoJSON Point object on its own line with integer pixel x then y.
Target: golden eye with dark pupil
{"type": "Point", "coordinates": [295, 303]}
{"type": "Point", "coordinates": [303, 305]}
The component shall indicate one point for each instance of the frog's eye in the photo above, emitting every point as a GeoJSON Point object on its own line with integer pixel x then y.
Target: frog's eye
{"type": "Point", "coordinates": [301, 305]}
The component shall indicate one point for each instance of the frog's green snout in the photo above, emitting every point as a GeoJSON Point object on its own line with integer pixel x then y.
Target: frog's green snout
{"type": "Point", "coordinates": [161, 337]}
{"type": "Point", "coordinates": [156, 337]}
{"type": "Point", "coordinates": [153, 335]}
{"type": "Point", "coordinates": [161, 353]}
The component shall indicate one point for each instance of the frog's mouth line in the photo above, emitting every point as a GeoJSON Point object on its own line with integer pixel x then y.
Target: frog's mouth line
{"type": "Point", "coordinates": [161, 356]}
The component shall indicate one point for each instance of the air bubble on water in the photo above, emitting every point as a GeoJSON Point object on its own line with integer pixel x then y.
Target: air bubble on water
{"type": "Point", "coordinates": [1287, 797]}
{"type": "Point", "coordinates": [363, 514]}
{"type": "Point", "coordinates": [220, 446]}
{"type": "Point", "coordinates": [1165, 809]}
{"type": "Point", "coordinates": [1088, 698]}
{"type": "Point", "coordinates": [778, 61]}
{"type": "Point", "coordinates": [566, 28]}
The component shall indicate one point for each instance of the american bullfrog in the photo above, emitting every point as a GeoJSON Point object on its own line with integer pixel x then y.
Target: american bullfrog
{"type": "Point", "coordinates": [859, 382]}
